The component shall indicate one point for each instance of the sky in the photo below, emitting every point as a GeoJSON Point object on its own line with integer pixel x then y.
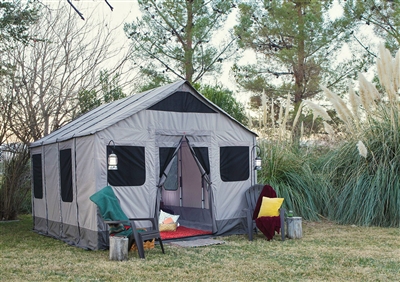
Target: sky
{"type": "Point", "coordinates": [128, 10]}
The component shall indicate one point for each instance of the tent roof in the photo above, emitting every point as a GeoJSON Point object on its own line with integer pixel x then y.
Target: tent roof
{"type": "Point", "coordinates": [108, 114]}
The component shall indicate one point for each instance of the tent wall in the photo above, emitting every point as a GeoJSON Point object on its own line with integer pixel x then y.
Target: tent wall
{"type": "Point", "coordinates": [90, 177]}
{"type": "Point", "coordinates": [140, 200]}
{"type": "Point", "coordinates": [52, 187]}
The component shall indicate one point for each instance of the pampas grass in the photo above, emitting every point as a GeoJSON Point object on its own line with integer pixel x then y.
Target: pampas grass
{"type": "Point", "coordinates": [295, 175]}
{"type": "Point", "coordinates": [355, 102]}
{"type": "Point", "coordinates": [366, 181]}
{"type": "Point", "coordinates": [318, 111]}
{"type": "Point", "coordinates": [341, 108]}
{"type": "Point", "coordinates": [354, 181]}
{"type": "Point", "coordinates": [329, 129]}
{"type": "Point", "coordinates": [362, 149]}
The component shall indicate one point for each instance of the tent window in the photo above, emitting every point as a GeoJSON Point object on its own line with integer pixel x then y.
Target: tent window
{"type": "Point", "coordinates": [182, 101]}
{"type": "Point", "coordinates": [66, 175]}
{"type": "Point", "coordinates": [37, 176]}
{"type": "Point", "coordinates": [234, 163]}
{"type": "Point", "coordinates": [131, 166]}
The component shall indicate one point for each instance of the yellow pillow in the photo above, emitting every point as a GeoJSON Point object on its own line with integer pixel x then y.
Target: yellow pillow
{"type": "Point", "coordinates": [270, 206]}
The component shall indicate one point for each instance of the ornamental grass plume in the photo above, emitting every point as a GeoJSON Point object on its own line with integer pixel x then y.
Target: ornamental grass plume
{"type": "Point", "coordinates": [272, 114]}
{"type": "Point", "coordinates": [355, 101]}
{"type": "Point", "coordinates": [362, 150]}
{"type": "Point", "coordinates": [341, 108]}
{"type": "Point", "coordinates": [387, 72]}
{"type": "Point", "coordinates": [264, 108]}
{"type": "Point", "coordinates": [367, 93]}
{"type": "Point", "coordinates": [396, 71]}
{"type": "Point", "coordinates": [286, 115]}
{"type": "Point", "coordinates": [329, 129]}
{"type": "Point", "coordinates": [296, 118]}
{"type": "Point", "coordinates": [318, 111]}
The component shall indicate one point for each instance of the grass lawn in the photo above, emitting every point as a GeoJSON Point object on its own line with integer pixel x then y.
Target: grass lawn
{"type": "Point", "coordinates": [327, 252]}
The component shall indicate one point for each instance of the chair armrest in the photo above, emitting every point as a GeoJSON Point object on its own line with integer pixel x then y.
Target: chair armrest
{"type": "Point", "coordinates": [115, 221]}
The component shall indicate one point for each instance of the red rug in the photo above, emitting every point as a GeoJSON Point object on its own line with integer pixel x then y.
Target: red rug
{"type": "Point", "coordinates": [182, 232]}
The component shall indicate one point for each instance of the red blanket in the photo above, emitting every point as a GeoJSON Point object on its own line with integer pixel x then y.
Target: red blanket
{"type": "Point", "coordinates": [268, 225]}
{"type": "Point", "coordinates": [182, 232]}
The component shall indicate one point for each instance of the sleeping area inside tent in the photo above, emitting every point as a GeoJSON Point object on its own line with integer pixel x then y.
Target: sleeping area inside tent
{"type": "Point", "coordinates": [184, 189]}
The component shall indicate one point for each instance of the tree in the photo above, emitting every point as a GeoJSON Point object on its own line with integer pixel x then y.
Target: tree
{"type": "Point", "coordinates": [15, 19]}
{"type": "Point", "coordinates": [224, 99]}
{"type": "Point", "coordinates": [66, 57]}
{"type": "Point", "coordinates": [175, 39]}
{"type": "Point", "coordinates": [295, 41]}
{"type": "Point", "coordinates": [110, 91]}
{"type": "Point", "coordinates": [15, 181]}
{"type": "Point", "coordinates": [383, 15]}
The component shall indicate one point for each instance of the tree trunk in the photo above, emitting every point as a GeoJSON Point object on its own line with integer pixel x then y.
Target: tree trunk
{"type": "Point", "coordinates": [299, 71]}
{"type": "Point", "coordinates": [189, 43]}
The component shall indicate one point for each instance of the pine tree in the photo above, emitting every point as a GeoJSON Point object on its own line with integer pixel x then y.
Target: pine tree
{"type": "Point", "coordinates": [173, 39]}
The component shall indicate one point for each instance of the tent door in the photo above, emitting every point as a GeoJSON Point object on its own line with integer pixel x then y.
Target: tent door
{"type": "Point", "coordinates": [185, 184]}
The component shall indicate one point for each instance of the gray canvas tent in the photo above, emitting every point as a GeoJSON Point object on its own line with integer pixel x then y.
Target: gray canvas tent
{"type": "Point", "coordinates": [173, 145]}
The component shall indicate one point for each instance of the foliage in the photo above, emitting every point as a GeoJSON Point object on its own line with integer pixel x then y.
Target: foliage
{"type": "Point", "coordinates": [364, 169]}
{"type": "Point", "coordinates": [383, 15]}
{"type": "Point", "coordinates": [87, 100]}
{"type": "Point", "coordinates": [15, 19]}
{"type": "Point", "coordinates": [224, 99]}
{"type": "Point", "coordinates": [296, 43]}
{"type": "Point", "coordinates": [15, 182]}
{"type": "Point", "coordinates": [174, 37]}
{"type": "Point", "coordinates": [110, 87]}
{"type": "Point", "coordinates": [294, 39]}
{"type": "Point", "coordinates": [295, 174]}
{"type": "Point", "coordinates": [110, 91]}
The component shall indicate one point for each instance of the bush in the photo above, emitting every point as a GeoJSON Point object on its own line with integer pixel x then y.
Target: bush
{"type": "Point", "coordinates": [15, 183]}
{"type": "Point", "coordinates": [295, 174]}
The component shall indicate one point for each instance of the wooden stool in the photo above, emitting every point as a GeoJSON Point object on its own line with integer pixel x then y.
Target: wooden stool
{"type": "Point", "coordinates": [294, 227]}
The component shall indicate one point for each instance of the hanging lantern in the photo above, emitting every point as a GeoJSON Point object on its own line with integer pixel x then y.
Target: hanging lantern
{"type": "Point", "coordinates": [112, 159]}
{"type": "Point", "coordinates": [257, 163]}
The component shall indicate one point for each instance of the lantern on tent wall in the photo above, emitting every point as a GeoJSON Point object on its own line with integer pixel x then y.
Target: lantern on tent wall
{"type": "Point", "coordinates": [256, 162]}
{"type": "Point", "coordinates": [112, 159]}
{"type": "Point", "coordinates": [257, 159]}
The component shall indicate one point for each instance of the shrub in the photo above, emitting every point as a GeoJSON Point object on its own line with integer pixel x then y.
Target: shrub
{"type": "Point", "coordinates": [15, 183]}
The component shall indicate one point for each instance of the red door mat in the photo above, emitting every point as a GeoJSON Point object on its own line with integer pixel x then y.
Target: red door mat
{"type": "Point", "coordinates": [182, 232]}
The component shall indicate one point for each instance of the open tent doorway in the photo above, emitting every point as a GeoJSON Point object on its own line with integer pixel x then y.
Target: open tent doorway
{"type": "Point", "coordinates": [185, 185]}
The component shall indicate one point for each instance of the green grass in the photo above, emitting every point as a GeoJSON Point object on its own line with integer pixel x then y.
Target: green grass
{"type": "Point", "coordinates": [327, 252]}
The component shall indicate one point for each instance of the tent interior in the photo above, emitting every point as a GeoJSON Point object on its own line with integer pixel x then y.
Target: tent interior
{"type": "Point", "coordinates": [185, 189]}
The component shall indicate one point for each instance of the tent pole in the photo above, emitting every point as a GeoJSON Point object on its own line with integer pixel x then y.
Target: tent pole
{"type": "Point", "coordinates": [180, 176]}
{"type": "Point", "coordinates": [202, 192]}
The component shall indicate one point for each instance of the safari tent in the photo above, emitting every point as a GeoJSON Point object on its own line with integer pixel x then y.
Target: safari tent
{"type": "Point", "coordinates": [174, 147]}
